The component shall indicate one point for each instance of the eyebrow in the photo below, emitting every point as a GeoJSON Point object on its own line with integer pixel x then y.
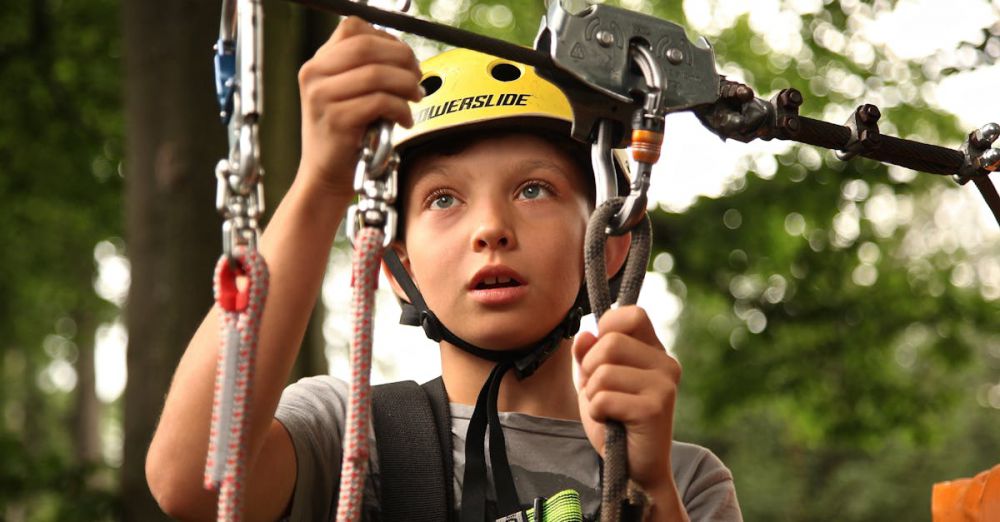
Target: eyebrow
{"type": "Point", "coordinates": [534, 164]}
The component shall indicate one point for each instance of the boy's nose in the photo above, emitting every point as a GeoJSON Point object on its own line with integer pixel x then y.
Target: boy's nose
{"type": "Point", "coordinates": [493, 236]}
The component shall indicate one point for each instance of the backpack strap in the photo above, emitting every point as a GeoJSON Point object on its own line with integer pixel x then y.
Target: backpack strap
{"type": "Point", "coordinates": [441, 408]}
{"type": "Point", "coordinates": [413, 436]}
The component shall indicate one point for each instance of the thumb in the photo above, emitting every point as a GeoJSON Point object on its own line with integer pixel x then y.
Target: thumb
{"type": "Point", "coordinates": [581, 347]}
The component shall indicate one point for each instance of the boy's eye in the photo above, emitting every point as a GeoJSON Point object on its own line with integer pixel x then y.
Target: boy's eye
{"type": "Point", "coordinates": [533, 191]}
{"type": "Point", "coordinates": [442, 201]}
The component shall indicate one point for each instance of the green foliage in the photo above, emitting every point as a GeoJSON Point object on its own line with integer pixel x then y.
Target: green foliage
{"type": "Point", "coordinates": [60, 146]}
{"type": "Point", "coordinates": [838, 376]}
{"type": "Point", "coordinates": [838, 372]}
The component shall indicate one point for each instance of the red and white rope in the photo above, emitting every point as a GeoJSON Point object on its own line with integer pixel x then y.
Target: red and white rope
{"type": "Point", "coordinates": [364, 279]}
{"type": "Point", "coordinates": [225, 466]}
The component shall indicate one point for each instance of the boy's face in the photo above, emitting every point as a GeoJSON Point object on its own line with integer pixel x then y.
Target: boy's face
{"type": "Point", "coordinates": [494, 238]}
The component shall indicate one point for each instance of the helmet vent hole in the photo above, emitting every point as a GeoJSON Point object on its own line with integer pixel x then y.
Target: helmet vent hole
{"type": "Point", "coordinates": [505, 72]}
{"type": "Point", "coordinates": [431, 84]}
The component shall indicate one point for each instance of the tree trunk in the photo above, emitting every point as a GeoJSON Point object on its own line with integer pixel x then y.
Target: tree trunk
{"type": "Point", "coordinates": [292, 34]}
{"type": "Point", "coordinates": [87, 414]}
{"type": "Point", "coordinates": [173, 232]}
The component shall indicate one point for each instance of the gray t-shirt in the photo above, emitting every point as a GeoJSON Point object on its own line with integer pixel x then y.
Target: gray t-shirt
{"type": "Point", "coordinates": [546, 456]}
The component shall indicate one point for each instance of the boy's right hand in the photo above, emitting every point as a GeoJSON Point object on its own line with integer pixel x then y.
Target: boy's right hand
{"type": "Point", "coordinates": [357, 77]}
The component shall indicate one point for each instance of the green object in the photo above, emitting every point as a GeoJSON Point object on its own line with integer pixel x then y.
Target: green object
{"type": "Point", "coordinates": [561, 507]}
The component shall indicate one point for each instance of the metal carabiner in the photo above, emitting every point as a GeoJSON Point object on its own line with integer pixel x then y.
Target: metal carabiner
{"type": "Point", "coordinates": [647, 137]}
{"type": "Point", "coordinates": [238, 61]}
{"type": "Point", "coordinates": [376, 183]}
{"type": "Point", "coordinates": [601, 157]}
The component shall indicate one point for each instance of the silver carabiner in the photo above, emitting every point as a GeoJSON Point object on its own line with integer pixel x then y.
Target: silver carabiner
{"type": "Point", "coordinates": [376, 184]}
{"type": "Point", "coordinates": [646, 141]}
{"type": "Point", "coordinates": [239, 191]}
{"type": "Point", "coordinates": [601, 157]}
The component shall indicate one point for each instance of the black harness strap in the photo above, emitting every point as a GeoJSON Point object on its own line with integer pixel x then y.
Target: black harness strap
{"type": "Point", "coordinates": [413, 436]}
{"type": "Point", "coordinates": [441, 409]}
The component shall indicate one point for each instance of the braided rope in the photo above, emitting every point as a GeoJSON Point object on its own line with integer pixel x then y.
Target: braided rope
{"type": "Point", "coordinates": [225, 466]}
{"type": "Point", "coordinates": [615, 479]}
{"type": "Point", "coordinates": [364, 278]}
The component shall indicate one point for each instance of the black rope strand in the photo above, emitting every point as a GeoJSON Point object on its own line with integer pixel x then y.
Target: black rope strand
{"type": "Point", "coordinates": [989, 192]}
{"type": "Point", "coordinates": [435, 31]}
{"type": "Point", "coordinates": [615, 479]}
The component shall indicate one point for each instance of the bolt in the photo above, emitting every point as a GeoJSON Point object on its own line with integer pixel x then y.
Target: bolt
{"type": "Point", "coordinates": [605, 38]}
{"type": "Point", "coordinates": [869, 114]}
{"type": "Point", "coordinates": [790, 98]}
{"type": "Point", "coordinates": [790, 124]}
{"type": "Point", "coordinates": [735, 91]}
{"type": "Point", "coordinates": [870, 139]}
{"type": "Point", "coordinates": [990, 160]}
{"type": "Point", "coordinates": [675, 55]}
{"type": "Point", "coordinates": [744, 93]}
{"type": "Point", "coordinates": [374, 218]}
{"type": "Point", "coordinates": [985, 136]}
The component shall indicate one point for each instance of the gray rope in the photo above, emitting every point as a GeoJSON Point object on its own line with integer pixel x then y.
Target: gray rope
{"type": "Point", "coordinates": [615, 479]}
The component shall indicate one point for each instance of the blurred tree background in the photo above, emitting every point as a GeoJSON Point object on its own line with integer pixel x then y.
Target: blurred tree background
{"type": "Point", "coordinates": [838, 329]}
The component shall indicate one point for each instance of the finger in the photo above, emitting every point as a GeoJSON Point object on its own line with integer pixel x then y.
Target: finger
{"type": "Point", "coordinates": [362, 112]}
{"type": "Point", "coordinates": [349, 26]}
{"type": "Point", "coordinates": [620, 349]}
{"type": "Point", "coordinates": [581, 345]}
{"type": "Point", "coordinates": [403, 83]}
{"type": "Point", "coordinates": [622, 407]}
{"type": "Point", "coordinates": [624, 379]}
{"type": "Point", "coordinates": [631, 320]}
{"type": "Point", "coordinates": [363, 49]}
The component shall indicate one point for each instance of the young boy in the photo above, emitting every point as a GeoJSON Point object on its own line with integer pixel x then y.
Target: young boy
{"type": "Point", "coordinates": [494, 211]}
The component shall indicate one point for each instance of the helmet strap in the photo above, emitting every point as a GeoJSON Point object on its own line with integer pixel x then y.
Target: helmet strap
{"type": "Point", "coordinates": [524, 362]}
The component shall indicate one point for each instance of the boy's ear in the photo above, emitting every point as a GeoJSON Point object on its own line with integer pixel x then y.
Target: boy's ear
{"type": "Point", "coordinates": [615, 252]}
{"type": "Point", "coordinates": [403, 258]}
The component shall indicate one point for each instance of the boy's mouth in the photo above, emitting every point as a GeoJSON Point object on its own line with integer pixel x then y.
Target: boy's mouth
{"type": "Point", "coordinates": [496, 282]}
{"type": "Point", "coordinates": [495, 276]}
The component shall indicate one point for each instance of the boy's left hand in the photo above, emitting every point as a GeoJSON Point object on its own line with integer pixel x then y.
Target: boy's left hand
{"type": "Point", "coordinates": [627, 375]}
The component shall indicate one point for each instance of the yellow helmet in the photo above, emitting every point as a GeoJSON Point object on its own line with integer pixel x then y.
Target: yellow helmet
{"type": "Point", "coordinates": [468, 88]}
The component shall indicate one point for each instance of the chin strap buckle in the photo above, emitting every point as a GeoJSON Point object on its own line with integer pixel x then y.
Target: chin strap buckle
{"type": "Point", "coordinates": [432, 327]}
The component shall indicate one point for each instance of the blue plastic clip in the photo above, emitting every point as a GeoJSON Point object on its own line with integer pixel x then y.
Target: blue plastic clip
{"type": "Point", "coordinates": [225, 72]}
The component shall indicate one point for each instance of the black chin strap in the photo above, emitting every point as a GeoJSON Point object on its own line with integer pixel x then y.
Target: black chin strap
{"type": "Point", "coordinates": [524, 360]}
{"type": "Point", "coordinates": [486, 415]}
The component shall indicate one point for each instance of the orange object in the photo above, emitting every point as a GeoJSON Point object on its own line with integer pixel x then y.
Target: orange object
{"type": "Point", "coordinates": [646, 145]}
{"type": "Point", "coordinates": [975, 499]}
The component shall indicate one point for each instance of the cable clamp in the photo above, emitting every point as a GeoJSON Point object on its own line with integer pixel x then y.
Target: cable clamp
{"type": "Point", "coordinates": [980, 157]}
{"type": "Point", "coordinates": [865, 136]}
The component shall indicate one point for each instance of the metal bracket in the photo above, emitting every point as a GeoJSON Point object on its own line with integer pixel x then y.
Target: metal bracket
{"type": "Point", "coordinates": [865, 136]}
{"type": "Point", "coordinates": [980, 156]}
{"type": "Point", "coordinates": [786, 114]}
{"type": "Point", "coordinates": [593, 46]}
{"type": "Point", "coordinates": [740, 116]}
